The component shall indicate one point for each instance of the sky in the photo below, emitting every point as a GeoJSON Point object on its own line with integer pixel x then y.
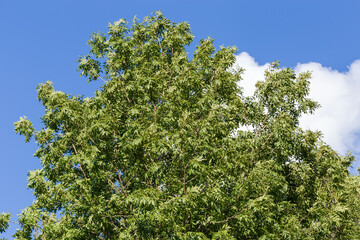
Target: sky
{"type": "Point", "coordinates": [41, 40]}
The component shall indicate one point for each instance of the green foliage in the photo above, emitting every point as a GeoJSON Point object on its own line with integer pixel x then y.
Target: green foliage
{"type": "Point", "coordinates": [4, 222]}
{"type": "Point", "coordinates": [24, 127]}
{"type": "Point", "coordinates": [158, 152]}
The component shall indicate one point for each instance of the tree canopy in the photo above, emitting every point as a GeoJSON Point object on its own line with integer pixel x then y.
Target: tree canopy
{"type": "Point", "coordinates": [170, 148]}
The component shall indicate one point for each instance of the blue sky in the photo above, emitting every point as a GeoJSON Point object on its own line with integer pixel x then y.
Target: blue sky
{"type": "Point", "coordinates": [41, 40]}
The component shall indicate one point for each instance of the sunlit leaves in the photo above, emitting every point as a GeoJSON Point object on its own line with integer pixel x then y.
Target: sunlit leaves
{"type": "Point", "coordinates": [4, 221]}
{"type": "Point", "coordinates": [24, 127]}
{"type": "Point", "coordinates": [161, 150]}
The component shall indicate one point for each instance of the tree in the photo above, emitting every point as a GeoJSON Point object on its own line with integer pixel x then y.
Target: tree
{"type": "Point", "coordinates": [160, 152]}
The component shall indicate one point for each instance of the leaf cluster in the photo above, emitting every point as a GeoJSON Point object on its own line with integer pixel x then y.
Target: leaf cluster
{"type": "Point", "coordinates": [159, 151]}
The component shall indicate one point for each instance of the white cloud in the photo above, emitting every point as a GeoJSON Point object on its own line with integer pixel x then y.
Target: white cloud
{"type": "Point", "coordinates": [253, 72]}
{"type": "Point", "coordinates": [337, 92]}
{"type": "Point", "coordinates": [339, 115]}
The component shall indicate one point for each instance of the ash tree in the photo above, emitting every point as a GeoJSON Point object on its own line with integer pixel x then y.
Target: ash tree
{"type": "Point", "coordinates": [160, 152]}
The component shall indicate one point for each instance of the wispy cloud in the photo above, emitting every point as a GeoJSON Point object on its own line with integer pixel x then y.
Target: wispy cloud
{"type": "Point", "coordinates": [337, 92]}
